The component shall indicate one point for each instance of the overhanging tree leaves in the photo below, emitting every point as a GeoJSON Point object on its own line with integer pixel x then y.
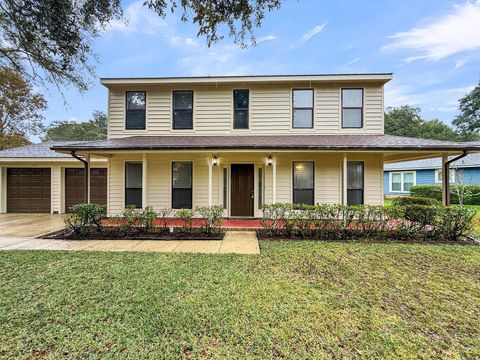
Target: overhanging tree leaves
{"type": "Point", "coordinates": [468, 122]}
{"type": "Point", "coordinates": [50, 40]}
{"type": "Point", "coordinates": [20, 107]}
{"type": "Point", "coordinates": [94, 129]}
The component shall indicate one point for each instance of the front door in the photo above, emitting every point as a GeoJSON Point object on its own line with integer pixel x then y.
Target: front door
{"type": "Point", "coordinates": [242, 190]}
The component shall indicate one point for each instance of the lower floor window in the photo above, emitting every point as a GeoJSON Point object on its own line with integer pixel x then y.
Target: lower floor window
{"type": "Point", "coordinates": [303, 182]}
{"type": "Point", "coordinates": [133, 184]}
{"type": "Point", "coordinates": [402, 181]}
{"type": "Point", "coordinates": [182, 185]}
{"type": "Point", "coordinates": [452, 174]}
{"type": "Point", "coordinates": [355, 182]}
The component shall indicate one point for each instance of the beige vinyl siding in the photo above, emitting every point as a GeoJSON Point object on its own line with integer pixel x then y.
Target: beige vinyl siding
{"type": "Point", "coordinates": [270, 110]}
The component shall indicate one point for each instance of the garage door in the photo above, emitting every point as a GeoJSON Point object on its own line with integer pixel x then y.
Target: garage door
{"type": "Point", "coordinates": [28, 190]}
{"type": "Point", "coordinates": [74, 187]}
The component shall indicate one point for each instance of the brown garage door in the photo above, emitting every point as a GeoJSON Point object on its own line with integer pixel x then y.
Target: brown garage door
{"type": "Point", "coordinates": [28, 190]}
{"type": "Point", "coordinates": [74, 187]}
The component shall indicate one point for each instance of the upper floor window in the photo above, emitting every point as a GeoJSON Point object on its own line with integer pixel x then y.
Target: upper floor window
{"type": "Point", "coordinates": [135, 114]}
{"type": "Point", "coordinates": [303, 108]}
{"type": "Point", "coordinates": [183, 109]}
{"type": "Point", "coordinates": [240, 109]}
{"type": "Point", "coordinates": [352, 108]}
{"type": "Point", "coordinates": [303, 182]}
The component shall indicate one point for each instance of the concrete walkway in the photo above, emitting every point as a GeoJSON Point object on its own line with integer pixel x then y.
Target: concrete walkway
{"type": "Point", "coordinates": [237, 242]}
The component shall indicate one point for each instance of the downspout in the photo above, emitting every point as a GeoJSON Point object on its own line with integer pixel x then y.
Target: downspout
{"type": "Point", "coordinates": [446, 171]}
{"type": "Point", "coordinates": [85, 181]}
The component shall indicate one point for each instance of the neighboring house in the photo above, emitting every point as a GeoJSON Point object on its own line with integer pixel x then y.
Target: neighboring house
{"type": "Point", "coordinates": [400, 177]}
{"type": "Point", "coordinates": [236, 141]}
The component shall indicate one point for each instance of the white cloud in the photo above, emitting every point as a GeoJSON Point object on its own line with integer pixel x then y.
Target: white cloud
{"type": "Point", "coordinates": [450, 34]}
{"type": "Point", "coordinates": [183, 41]}
{"type": "Point", "coordinates": [138, 18]}
{"type": "Point", "coordinates": [351, 62]}
{"type": "Point", "coordinates": [460, 63]}
{"type": "Point", "coordinates": [443, 100]}
{"type": "Point", "coordinates": [266, 38]}
{"type": "Point", "coordinates": [308, 35]}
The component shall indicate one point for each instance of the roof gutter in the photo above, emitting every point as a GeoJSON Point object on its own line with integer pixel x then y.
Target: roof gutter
{"type": "Point", "coordinates": [446, 176]}
{"type": "Point", "coordinates": [86, 172]}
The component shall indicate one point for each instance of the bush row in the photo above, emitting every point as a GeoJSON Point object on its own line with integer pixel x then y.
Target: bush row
{"type": "Point", "coordinates": [471, 193]}
{"type": "Point", "coordinates": [339, 222]}
{"type": "Point", "coordinates": [89, 217]}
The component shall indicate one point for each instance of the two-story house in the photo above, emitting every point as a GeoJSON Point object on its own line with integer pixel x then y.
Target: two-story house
{"type": "Point", "coordinates": [237, 141]}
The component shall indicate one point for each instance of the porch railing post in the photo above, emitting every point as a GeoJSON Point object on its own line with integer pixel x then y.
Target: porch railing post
{"type": "Point", "coordinates": [274, 179]}
{"type": "Point", "coordinates": [344, 179]}
{"type": "Point", "coordinates": [210, 181]}
{"type": "Point", "coordinates": [144, 181]}
{"type": "Point", "coordinates": [445, 180]}
{"type": "Point", "coordinates": [88, 166]}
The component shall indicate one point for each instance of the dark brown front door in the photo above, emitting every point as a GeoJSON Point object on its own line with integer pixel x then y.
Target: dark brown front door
{"type": "Point", "coordinates": [75, 187]}
{"type": "Point", "coordinates": [28, 190]}
{"type": "Point", "coordinates": [242, 190]}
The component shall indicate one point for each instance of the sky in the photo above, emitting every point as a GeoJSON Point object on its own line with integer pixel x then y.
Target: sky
{"type": "Point", "coordinates": [431, 46]}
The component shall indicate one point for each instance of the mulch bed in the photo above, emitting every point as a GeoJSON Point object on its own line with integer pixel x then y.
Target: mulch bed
{"type": "Point", "coordinates": [157, 234]}
{"type": "Point", "coordinates": [281, 236]}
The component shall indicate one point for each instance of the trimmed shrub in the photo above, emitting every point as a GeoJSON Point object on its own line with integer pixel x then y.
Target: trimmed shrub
{"type": "Point", "coordinates": [414, 200]}
{"type": "Point", "coordinates": [411, 222]}
{"type": "Point", "coordinates": [187, 217]}
{"type": "Point", "coordinates": [212, 217]}
{"type": "Point", "coordinates": [86, 216]}
{"type": "Point", "coordinates": [471, 193]}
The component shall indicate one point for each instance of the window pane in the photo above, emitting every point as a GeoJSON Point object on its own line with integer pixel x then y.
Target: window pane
{"type": "Point", "coordinates": [352, 98]}
{"type": "Point", "coordinates": [133, 177]}
{"type": "Point", "coordinates": [354, 175]}
{"type": "Point", "coordinates": [303, 175]}
{"type": "Point", "coordinates": [302, 118]}
{"type": "Point", "coordinates": [240, 99]}
{"type": "Point", "coordinates": [182, 198]}
{"type": "Point", "coordinates": [407, 181]}
{"type": "Point", "coordinates": [135, 120]}
{"type": "Point", "coordinates": [182, 119]}
{"type": "Point", "coordinates": [303, 98]}
{"type": "Point", "coordinates": [136, 100]}
{"type": "Point", "coordinates": [182, 175]}
{"type": "Point", "coordinates": [260, 188]}
{"type": "Point", "coordinates": [133, 197]}
{"type": "Point", "coordinates": [225, 188]}
{"type": "Point", "coordinates": [183, 100]}
{"type": "Point", "coordinates": [396, 182]}
{"type": "Point", "coordinates": [352, 118]}
{"type": "Point", "coordinates": [240, 120]}
{"type": "Point", "coordinates": [303, 197]}
{"type": "Point", "coordinates": [354, 197]}
{"type": "Point", "coordinates": [439, 176]}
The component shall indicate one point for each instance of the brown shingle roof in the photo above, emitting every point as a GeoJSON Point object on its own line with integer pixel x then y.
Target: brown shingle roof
{"type": "Point", "coordinates": [297, 142]}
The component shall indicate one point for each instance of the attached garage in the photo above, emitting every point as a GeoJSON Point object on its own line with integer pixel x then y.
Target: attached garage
{"type": "Point", "coordinates": [74, 186]}
{"type": "Point", "coordinates": [28, 190]}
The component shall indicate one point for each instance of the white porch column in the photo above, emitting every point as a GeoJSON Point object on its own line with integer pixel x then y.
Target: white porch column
{"type": "Point", "coordinates": [3, 188]}
{"type": "Point", "coordinates": [210, 181]}
{"type": "Point", "coordinates": [144, 181]}
{"type": "Point", "coordinates": [445, 181]}
{"type": "Point", "coordinates": [344, 179]}
{"type": "Point", "coordinates": [87, 158]}
{"type": "Point", "coordinates": [274, 179]}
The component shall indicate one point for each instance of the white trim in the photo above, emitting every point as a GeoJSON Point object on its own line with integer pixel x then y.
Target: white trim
{"type": "Point", "coordinates": [402, 181]}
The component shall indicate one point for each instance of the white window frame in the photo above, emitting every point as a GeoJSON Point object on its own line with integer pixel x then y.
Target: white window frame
{"type": "Point", "coordinates": [453, 176]}
{"type": "Point", "coordinates": [402, 181]}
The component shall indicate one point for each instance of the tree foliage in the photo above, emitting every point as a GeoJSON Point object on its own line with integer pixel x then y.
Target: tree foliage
{"type": "Point", "coordinates": [93, 129]}
{"type": "Point", "coordinates": [468, 122]}
{"type": "Point", "coordinates": [20, 107]}
{"type": "Point", "coordinates": [13, 140]}
{"type": "Point", "coordinates": [50, 40]}
{"type": "Point", "coordinates": [406, 121]}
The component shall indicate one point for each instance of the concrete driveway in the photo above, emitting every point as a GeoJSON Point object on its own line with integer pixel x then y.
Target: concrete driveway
{"type": "Point", "coordinates": [20, 232]}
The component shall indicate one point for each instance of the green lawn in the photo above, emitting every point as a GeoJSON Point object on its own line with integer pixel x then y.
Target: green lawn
{"type": "Point", "coordinates": [295, 300]}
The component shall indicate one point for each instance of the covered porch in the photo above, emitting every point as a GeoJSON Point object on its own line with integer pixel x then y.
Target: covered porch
{"type": "Point", "coordinates": [241, 173]}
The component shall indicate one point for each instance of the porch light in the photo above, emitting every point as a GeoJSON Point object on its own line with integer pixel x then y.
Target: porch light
{"type": "Point", "coordinates": [214, 161]}
{"type": "Point", "coordinates": [269, 161]}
